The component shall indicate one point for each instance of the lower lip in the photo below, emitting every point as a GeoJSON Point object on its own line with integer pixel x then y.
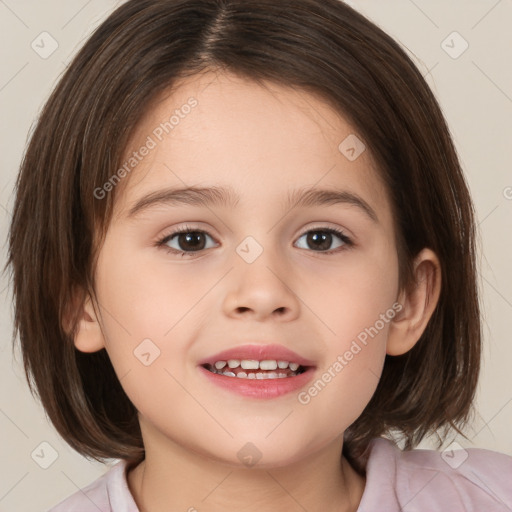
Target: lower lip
{"type": "Point", "coordinates": [260, 388]}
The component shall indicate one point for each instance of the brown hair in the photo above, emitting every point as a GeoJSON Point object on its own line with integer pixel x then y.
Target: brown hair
{"type": "Point", "coordinates": [323, 47]}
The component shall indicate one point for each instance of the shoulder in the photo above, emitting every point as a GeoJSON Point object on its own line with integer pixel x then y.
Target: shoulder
{"type": "Point", "coordinates": [108, 493]}
{"type": "Point", "coordinates": [466, 480]}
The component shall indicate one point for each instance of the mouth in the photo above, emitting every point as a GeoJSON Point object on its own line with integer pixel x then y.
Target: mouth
{"type": "Point", "coordinates": [258, 371]}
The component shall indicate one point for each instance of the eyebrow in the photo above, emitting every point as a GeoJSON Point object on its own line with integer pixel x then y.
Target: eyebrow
{"type": "Point", "coordinates": [220, 196]}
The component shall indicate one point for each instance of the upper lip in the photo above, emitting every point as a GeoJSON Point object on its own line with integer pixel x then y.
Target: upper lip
{"type": "Point", "coordinates": [259, 353]}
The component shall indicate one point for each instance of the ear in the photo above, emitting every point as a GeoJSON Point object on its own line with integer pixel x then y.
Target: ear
{"type": "Point", "coordinates": [418, 304]}
{"type": "Point", "coordinates": [88, 336]}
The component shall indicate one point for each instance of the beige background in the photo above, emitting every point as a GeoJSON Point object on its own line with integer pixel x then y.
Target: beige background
{"type": "Point", "coordinates": [475, 92]}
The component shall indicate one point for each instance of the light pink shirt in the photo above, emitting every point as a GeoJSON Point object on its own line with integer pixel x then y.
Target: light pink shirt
{"type": "Point", "coordinates": [396, 481]}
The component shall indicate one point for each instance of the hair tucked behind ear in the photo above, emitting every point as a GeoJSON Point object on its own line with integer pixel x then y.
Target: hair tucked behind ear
{"type": "Point", "coordinates": [320, 46]}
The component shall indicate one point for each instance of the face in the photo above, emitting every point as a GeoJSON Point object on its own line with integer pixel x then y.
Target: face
{"type": "Point", "coordinates": [257, 270]}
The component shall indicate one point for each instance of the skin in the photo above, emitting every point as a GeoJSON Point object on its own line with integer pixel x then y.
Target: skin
{"type": "Point", "coordinates": [263, 142]}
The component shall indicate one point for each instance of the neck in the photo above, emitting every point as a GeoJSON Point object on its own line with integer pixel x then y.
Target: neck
{"type": "Point", "coordinates": [173, 477]}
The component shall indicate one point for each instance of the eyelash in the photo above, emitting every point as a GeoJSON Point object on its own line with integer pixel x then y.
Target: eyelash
{"type": "Point", "coordinates": [187, 229]}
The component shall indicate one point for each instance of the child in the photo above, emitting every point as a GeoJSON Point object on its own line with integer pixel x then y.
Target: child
{"type": "Point", "coordinates": [225, 191]}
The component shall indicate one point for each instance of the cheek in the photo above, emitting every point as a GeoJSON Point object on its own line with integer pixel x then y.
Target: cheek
{"type": "Point", "coordinates": [350, 294]}
{"type": "Point", "coordinates": [145, 313]}
{"type": "Point", "coordinates": [142, 300]}
{"type": "Point", "coordinates": [356, 309]}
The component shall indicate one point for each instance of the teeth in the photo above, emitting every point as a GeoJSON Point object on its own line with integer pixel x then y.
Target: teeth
{"type": "Point", "coordinates": [261, 376]}
{"type": "Point", "coordinates": [224, 367]}
{"type": "Point", "coordinates": [254, 375]}
{"type": "Point", "coordinates": [252, 364]}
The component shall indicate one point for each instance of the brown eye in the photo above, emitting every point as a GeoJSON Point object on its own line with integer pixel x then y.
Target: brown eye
{"type": "Point", "coordinates": [185, 241]}
{"type": "Point", "coordinates": [321, 239]}
{"type": "Point", "coordinates": [192, 241]}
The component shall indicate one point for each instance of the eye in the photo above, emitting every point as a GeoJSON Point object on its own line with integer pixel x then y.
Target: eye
{"type": "Point", "coordinates": [188, 241]}
{"type": "Point", "coordinates": [322, 238]}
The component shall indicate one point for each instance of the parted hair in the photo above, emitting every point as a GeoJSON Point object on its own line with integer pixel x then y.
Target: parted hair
{"type": "Point", "coordinates": [323, 47]}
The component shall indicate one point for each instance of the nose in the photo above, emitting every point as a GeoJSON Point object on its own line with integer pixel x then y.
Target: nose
{"type": "Point", "coordinates": [261, 289]}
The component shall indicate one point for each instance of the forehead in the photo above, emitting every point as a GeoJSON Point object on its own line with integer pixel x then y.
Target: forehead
{"type": "Point", "coordinates": [261, 140]}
